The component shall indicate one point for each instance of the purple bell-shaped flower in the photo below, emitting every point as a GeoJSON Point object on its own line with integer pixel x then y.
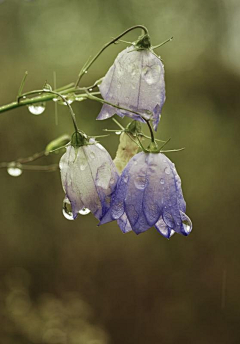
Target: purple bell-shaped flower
{"type": "Point", "coordinates": [149, 194]}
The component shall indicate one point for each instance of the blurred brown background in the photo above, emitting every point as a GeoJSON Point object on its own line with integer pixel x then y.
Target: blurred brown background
{"type": "Point", "coordinates": [71, 282]}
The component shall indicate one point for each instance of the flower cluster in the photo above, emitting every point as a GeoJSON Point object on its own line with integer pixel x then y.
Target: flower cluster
{"type": "Point", "coordinates": [148, 190]}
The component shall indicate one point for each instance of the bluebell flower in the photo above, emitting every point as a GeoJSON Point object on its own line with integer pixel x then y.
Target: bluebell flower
{"type": "Point", "coordinates": [149, 194]}
{"type": "Point", "coordinates": [89, 177]}
{"type": "Point", "coordinates": [135, 82]}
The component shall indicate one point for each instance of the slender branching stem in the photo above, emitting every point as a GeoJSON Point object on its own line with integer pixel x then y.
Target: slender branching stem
{"type": "Point", "coordinates": [90, 62]}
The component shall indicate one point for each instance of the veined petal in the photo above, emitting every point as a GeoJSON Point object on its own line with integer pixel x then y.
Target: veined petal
{"type": "Point", "coordinates": [89, 177]}
{"type": "Point", "coordinates": [124, 224]}
{"type": "Point", "coordinates": [163, 229]}
{"type": "Point", "coordinates": [135, 82]}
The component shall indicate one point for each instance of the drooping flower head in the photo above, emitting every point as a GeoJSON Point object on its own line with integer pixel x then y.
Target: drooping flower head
{"type": "Point", "coordinates": [149, 194]}
{"type": "Point", "coordinates": [88, 175]}
{"type": "Point", "coordinates": [136, 82]}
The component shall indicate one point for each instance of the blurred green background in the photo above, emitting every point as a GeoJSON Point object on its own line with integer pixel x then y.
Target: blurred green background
{"type": "Point", "coordinates": [72, 282]}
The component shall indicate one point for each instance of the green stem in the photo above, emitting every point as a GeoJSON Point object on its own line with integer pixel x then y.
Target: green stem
{"type": "Point", "coordinates": [151, 131]}
{"type": "Point", "coordinates": [38, 99]}
{"type": "Point", "coordinates": [22, 84]}
{"type": "Point", "coordinates": [89, 63]}
{"type": "Point", "coordinates": [90, 96]}
{"type": "Point", "coordinates": [59, 95]}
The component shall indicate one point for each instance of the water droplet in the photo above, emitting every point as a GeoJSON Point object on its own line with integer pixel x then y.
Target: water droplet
{"type": "Point", "coordinates": [98, 86]}
{"type": "Point", "coordinates": [168, 219]}
{"type": "Point", "coordinates": [140, 182]}
{"type": "Point", "coordinates": [167, 170]}
{"type": "Point", "coordinates": [83, 166]}
{"type": "Point", "coordinates": [151, 75]}
{"type": "Point", "coordinates": [162, 181]}
{"type": "Point", "coordinates": [47, 87]}
{"type": "Point", "coordinates": [186, 222]}
{"type": "Point", "coordinates": [118, 132]}
{"type": "Point", "coordinates": [90, 89]}
{"type": "Point", "coordinates": [84, 211]}
{"type": "Point", "coordinates": [85, 72]}
{"type": "Point", "coordinates": [79, 99]}
{"type": "Point", "coordinates": [125, 178]}
{"type": "Point", "coordinates": [92, 155]}
{"type": "Point", "coordinates": [103, 176]}
{"type": "Point", "coordinates": [37, 109]}
{"type": "Point", "coordinates": [67, 209]}
{"type": "Point", "coordinates": [14, 169]}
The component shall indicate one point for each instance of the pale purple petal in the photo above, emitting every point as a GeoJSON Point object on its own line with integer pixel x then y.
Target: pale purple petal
{"type": "Point", "coordinates": [89, 178]}
{"type": "Point", "coordinates": [163, 229]}
{"type": "Point", "coordinates": [136, 82]}
{"type": "Point", "coordinates": [124, 224]}
{"type": "Point", "coordinates": [149, 194]}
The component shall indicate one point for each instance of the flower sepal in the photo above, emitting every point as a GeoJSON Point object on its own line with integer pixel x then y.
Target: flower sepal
{"type": "Point", "coordinates": [143, 42]}
{"type": "Point", "coordinates": [79, 139]}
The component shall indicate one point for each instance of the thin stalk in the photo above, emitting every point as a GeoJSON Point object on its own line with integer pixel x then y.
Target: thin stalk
{"type": "Point", "coordinates": [172, 150]}
{"type": "Point", "coordinates": [22, 84]}
{"type": "Point", "coordinates": [59, 95]}
{"type": "Point", "coordinates": [161, 44]}
{"type": "Point", "coordinates": [29, 101]}
{"type": "Point", "coordinates": [89, 63]}
{"type": "Point", "coordinates": [90, 96]}
{"type": "Point", "coordinates": [151, 131]}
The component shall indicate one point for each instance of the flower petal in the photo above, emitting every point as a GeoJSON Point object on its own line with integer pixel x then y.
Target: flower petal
{"type": "Point", "coordinates": [124, 224]}
{"type": "Point", "coordinates": [89, 177]}
{"type": "Point", "coordinates": [135, 82]}
{"type": "Point", "coordinates": [163, 229]}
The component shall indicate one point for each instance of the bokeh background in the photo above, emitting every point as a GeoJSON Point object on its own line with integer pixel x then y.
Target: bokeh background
{"type": "Point", "coordinates": [70, 282]}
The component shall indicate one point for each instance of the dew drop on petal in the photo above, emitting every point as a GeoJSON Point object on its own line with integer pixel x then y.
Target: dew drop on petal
{"type": "Point", "coordinates": [118, 132]}
{"type": "Point", "coordinates": [168, 219]}
{"type": "Point", "coordinates": [103, 176]}
{"type": "Point", "coordinates": [186, 222]}
{"type": "Point", "coordinates": [14, 169]}
{"type": "Point", "coordinates": [140, 182]}
{"type": "Point", "coordinates": [125, 178]}
{"type": "Point", "coordinates": [67, 209]}
{"type": "Point", "coordinates": [151, 75]}
{"type": "Point", "coordinates": [167, 170]}
{"type": "Point", "coordinates": [92, 155]}
{"type": "Point", "coordinates": [84, 211]}
{"type": "Point", "coordinates": [37, 109]}
{"type": "Point", "coordinates": [82, 167]}
{"type": "Point", "coordinates": [162, 181]}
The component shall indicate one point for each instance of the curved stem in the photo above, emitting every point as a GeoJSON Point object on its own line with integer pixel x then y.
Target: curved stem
{"type": "Point", "coordinates": [90, 96]}
{"type": "Point", "coordinates": [69, 106]}
{"type": "Point", "coordinates": [59, 95]}
{"type": "Point", "coordinates": [151, 131]}
{"type": "Point", "coordinates": [38, 99]}
{"type": "Point", "coordinates": [89, 63]}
